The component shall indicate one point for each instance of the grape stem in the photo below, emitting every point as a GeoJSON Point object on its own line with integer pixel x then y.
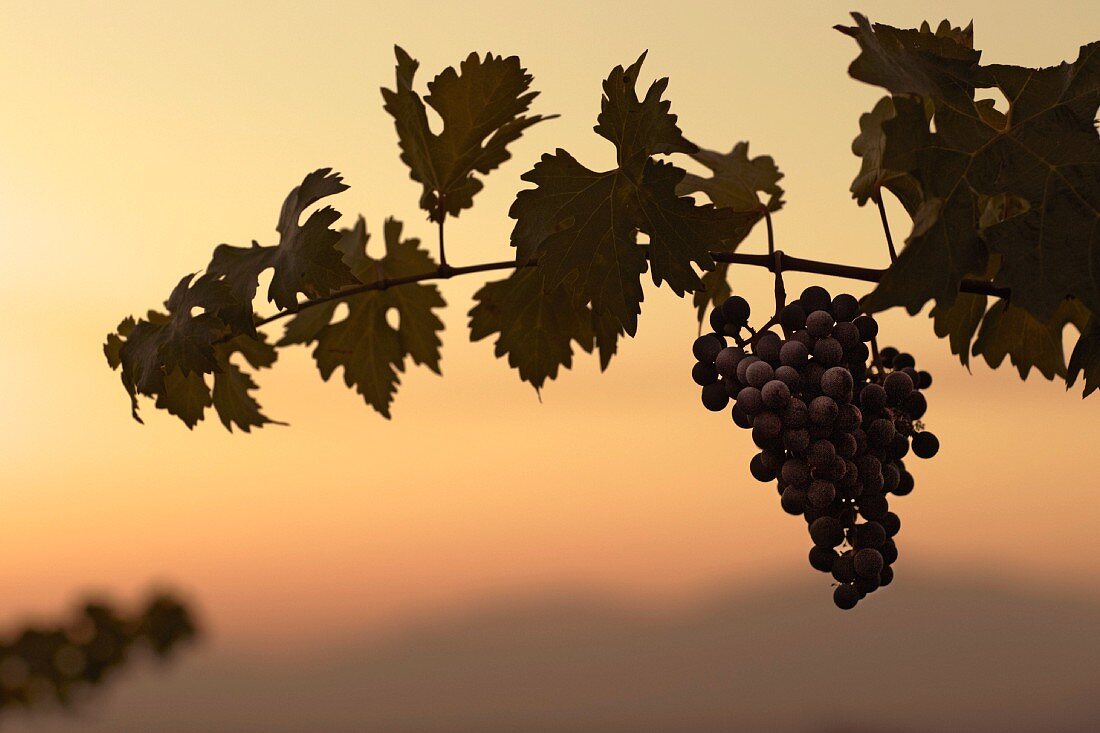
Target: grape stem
{"type": "Point", "coordinates": [886, 226]}
{"type": "Point", "coordinates": [790, 264]}
{"type": "Point", "coordinates": [780, 291]}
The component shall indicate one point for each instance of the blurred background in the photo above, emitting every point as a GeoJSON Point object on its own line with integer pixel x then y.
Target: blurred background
{"type": "Point", "coordinates": [597, 561]}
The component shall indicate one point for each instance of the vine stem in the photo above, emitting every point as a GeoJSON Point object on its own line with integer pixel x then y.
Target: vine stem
{"type": "Point", "coordinates": [789, 264]}
{"type": "Point", "coordinates": [886, 226]}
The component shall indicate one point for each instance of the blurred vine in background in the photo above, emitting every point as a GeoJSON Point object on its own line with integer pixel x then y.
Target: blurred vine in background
{"type": "Point", "coordinates": [49, 666]}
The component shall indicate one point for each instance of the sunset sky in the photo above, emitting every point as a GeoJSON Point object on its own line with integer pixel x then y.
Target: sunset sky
{"type": "Point", "coordinates": [135, 137]}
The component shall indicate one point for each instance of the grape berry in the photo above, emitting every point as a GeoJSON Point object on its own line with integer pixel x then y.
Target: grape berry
{"type": "Point", "coordinates": [832, 425]}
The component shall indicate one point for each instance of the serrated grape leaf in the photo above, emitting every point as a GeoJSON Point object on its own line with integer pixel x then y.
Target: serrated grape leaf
{"type": "Point", "coordinates": [150, 350]}
{"type": "Point", "coordinates": [1008, 330]}
{"type": "Point", "coordinates": [1049, 155]}
{"type": "Point", "coordinates": [185, 395]}
{"type": "Point", "coordinates": [537, 328]}
{"type": "Point", "coordinates": [638, 128]}
{"type": "Point", "coordinates": [1041, 157]}
{"type": "Point", "coordinates": [231, 395]}
{"type": "Point", "coordinates": [911, 61]}
{"type": "Point", "coordinates": [737, 185]}
{"type": "Point", "coordinates": [582, 225]}
{"type": "Point", "coordinates": [870, 145]}
{"type": "Point", "coordinates": [482, 109]}
{"type": "Point", "coordinates": [306, 260]}
{"type": "Point", "coordinates": [1085, 358]}
{"type": "Point", "coordinates": [958, 322]}
{"type": "Point", "coordinates": [239, 268]}
{"type": "Point", "coordinates": [371, 351]}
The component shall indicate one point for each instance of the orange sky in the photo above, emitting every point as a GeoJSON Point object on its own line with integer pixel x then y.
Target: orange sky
{"type": "Point", "coordinates": [137, 137]}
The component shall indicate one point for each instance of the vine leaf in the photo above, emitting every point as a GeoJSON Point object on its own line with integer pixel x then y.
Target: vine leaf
{"type": "Point", "coordinates": [372, 352]}
{"type": "Point", "coordinates": [1022, 184]}
{"type": "Point", "coordinates": [536, 328]}
{"type": "Point", "coordinates": [583, 225]}
{"type": "Point", "coordinates": [305, 260]}
{"type": "Point", "coordinates": [870, 145]}
{"type": "Point", "coordinates": [1085, 358]}
{"type": "Point", "coordinates": [958, 322]}
{"type": "Point", "coordinates": [737, 184]}
{"type": "Point", "coordinates": [231, 395]}
{"type": "Point", "coordinates": [482, 108]}
{"type": "Point", "coordinates": [1009, 330]}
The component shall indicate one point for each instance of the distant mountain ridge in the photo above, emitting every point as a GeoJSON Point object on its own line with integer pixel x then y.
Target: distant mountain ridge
{"type": "Point", "coordinates": [924, 655]}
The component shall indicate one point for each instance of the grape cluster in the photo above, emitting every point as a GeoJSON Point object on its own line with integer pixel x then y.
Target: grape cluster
{"type": "Point", "coordinates": [833, 425]}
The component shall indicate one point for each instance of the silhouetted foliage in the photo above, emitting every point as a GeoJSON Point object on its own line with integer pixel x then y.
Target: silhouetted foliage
{"type": "Point", "coordinates": [1002, 202]}
{"type": "Point", "coordinates": [45, 665]}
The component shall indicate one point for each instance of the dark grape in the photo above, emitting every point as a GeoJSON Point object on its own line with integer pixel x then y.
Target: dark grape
{"type": "Point", "coordinates": [776, 394]}
{"type": "Point", "coordinates": [870, 534]}
{"type": "Point", "coordinates": [924, 380]}
{"type": "Point", "coordinates": [736, 310]}
{"type": "Point", "coordinates": [793, 500]}
{"type": "Point", "coordinates": [727, 359]}
{"type": "Point", "coordinates": [828, 351]}
{"type": "Point", "coordinates": [846, 597]}
{"type": "Point", "coordinates": [880, 432]}
{"type": "Point", "coordinates": [887, 356]}
{"type": "Point", "coordinates": [707, 346]}
{"type": "Point", "coordinates": [897, 385]}
{"type": "Point", "coordinates": [823, 410]}
{"type": "Point", "coordinates": [815, 298]}
{"type": "Point", "coordinates": [820, 324]}
{"type": "Point", "coordinates": [717, 321]}
{"type": "Point", "coordinates": [820, 454]}
{"type": "Point", "coordinates": [872, 399]}
{"type": "Point", "coordinates": [848, 335]}
{"type": "Point", "coordinates": [794, 354]}
{"type": "Point", "coordinates": [873, 507]}
{"type": "Point", "coordinates": [797, 414]}
{"type": "Point", "coordinates": [886, 577]}
{"type": "Point", "coordinates": [767, 425]}
{"type": "Point", "coordinates": [889, 552]}
{"type": "Point", "coordinates": [844, 570]}
{"type": "Point", "coordinates": [867, 585]}
{"type": "Point", "coordinates": [788, 376]}
{"type": "Point", "coordinates": [821, 494]}
{"type": "Point", "coordinates": [704, 373]}
{"type": "Point", "coordinates": [837, 383]}
{"type": "Point", "coordinates": [792, 317]}
{"type": "Point", "coordinates": [759, 470]}
{"type": "Point", "coordinates": [891, 523]}
{"type": "Point", "coordinates": [890, 477]}
{"type": "Point", "coordinates": [743, 367]}
{"type": "Point", "coordinates": [827, 531]}
{"type": "Point", "coordinates": [925, 445]}
{"type": "Point", "coordinates": [915, 405]}
{"type": "Point", "coordinates": [750, 401]}
{"type": "Point", "coordinates": [796, 472]}
{"type": "Point", "coordinates": [903, 360]}
{"type": "Point", "coordinates": [868, 327]}
{"type": "Point", "coordinates": [822, 558]}
{"type": "Point", "coordinates": [715, 397]}
{"type": "Point", "coordinates": [846, 445]}
{"type": "Point", "coordinates": [758, 374]}
{"type": "Point", "coordinates": [848, 417]}
{"type": "Point", "coordinates": [741, 418]}
{"type": "Point", "coordinates": [868, 562]}
{"type": "Point", "coordinates": [905, 484]}
{"type": "Point", "coordinates": [767, 347]}
{"type": "Point", "coordinates": [797, 440]}
{"type": "Point", "coordinates": [845, 307]}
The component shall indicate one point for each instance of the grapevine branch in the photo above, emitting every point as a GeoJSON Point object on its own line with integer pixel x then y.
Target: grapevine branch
{"type": "Point", "coordinates": [768, 261]}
